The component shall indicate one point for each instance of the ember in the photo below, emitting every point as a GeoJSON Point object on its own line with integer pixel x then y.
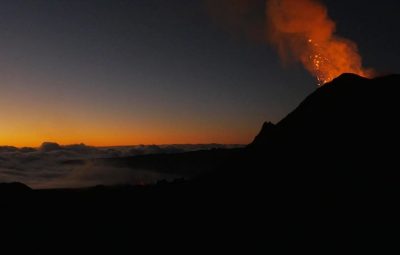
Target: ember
{"type": "Point", "coordinates": [301, 30]}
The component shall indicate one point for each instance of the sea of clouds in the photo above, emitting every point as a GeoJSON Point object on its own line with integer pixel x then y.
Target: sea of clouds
{"type": "Point", "coordinates": [45, 167]}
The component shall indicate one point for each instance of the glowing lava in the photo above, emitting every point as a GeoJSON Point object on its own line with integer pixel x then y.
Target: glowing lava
{"type": "Point", "coordinates": [302, 31]}
{"type": "Point", "coordinates": [319, 61]}
{"type": "Point", "coordinates": [333, 58]}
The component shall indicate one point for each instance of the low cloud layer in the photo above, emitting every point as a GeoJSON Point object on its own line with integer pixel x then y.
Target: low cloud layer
{"type": "Point", "coordinates": [45, 167]}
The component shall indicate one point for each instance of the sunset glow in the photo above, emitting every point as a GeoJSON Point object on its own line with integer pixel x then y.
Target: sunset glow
{"type": "Point", "coordinates": [20, 136]}
{"type": "Point", "coordinates": [65, 129]}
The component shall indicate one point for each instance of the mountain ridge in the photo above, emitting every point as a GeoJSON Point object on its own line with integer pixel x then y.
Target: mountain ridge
{"type": "Point", "coordinates": [347, 91]}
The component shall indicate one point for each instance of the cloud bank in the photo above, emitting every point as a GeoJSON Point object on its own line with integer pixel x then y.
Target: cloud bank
{"type": "Point", "coordinates": [45, 167]}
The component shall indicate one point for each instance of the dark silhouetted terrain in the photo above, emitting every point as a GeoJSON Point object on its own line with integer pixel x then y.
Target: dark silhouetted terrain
{"type": "Point", "coordinates": [324, 180]}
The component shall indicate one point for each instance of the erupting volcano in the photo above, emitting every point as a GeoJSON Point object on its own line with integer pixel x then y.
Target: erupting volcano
{"type": "Point", "coordinates": [302, 31]}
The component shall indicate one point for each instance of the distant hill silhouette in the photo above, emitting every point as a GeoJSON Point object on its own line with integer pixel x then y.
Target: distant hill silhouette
{"type": "Point", "coordinates": [324, 180]}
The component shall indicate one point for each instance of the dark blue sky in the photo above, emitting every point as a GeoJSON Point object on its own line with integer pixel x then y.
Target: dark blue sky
{"type": "Point", "coordinates": [155, 71]}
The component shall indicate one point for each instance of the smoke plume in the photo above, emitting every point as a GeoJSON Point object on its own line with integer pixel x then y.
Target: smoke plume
{"type": "Point", "coordinates": [301, 31]}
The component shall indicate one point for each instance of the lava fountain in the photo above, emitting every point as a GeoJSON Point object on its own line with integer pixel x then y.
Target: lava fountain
{"type": "Point", "coordinates": [302, 31]}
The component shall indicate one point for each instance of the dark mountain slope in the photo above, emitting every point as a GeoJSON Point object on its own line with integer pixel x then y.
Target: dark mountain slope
{"type": "Point", "coordinates": [330, 169]}
{"type": "Point", "coordinates": [265, 136]}
{"type": "Point", "coordinates": [351, 123]}
{"type": "Point", "coordinates": [350, 106]}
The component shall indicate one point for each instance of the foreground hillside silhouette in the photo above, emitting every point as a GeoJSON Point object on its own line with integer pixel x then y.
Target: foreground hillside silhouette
{"type": "Point", "coordinates": [324, 180]}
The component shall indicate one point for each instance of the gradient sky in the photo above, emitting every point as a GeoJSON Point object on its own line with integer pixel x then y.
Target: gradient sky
{"type": "Point", "coordinates": [108, 72]}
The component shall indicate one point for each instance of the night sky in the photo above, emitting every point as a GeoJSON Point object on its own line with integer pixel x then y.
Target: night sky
{"type": "Point", "coordinates": [155, 71]}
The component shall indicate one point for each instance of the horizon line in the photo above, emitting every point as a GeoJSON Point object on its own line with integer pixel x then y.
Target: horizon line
{"type": "Point", "coordinates": [128, 145]}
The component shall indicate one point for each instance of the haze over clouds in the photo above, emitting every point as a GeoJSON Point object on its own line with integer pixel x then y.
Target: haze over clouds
{"type": "Point", "coordinates": [45, 167]}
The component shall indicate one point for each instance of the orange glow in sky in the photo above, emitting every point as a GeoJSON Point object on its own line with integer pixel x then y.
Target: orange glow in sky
{"type": "Point", "coordinates": [114, 136]}
{"type": "Point", "coordinates": [32, 113]}
{"type": "Point", "coordinates": [33, 130]}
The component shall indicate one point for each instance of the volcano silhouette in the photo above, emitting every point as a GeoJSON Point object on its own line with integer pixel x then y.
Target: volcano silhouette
{"type": "Point", "coordinates": [347, 127]}
{"type": "Point", "coordinates": [323, 180]}
{"type": "Point", "coordinates": [349, 107]}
